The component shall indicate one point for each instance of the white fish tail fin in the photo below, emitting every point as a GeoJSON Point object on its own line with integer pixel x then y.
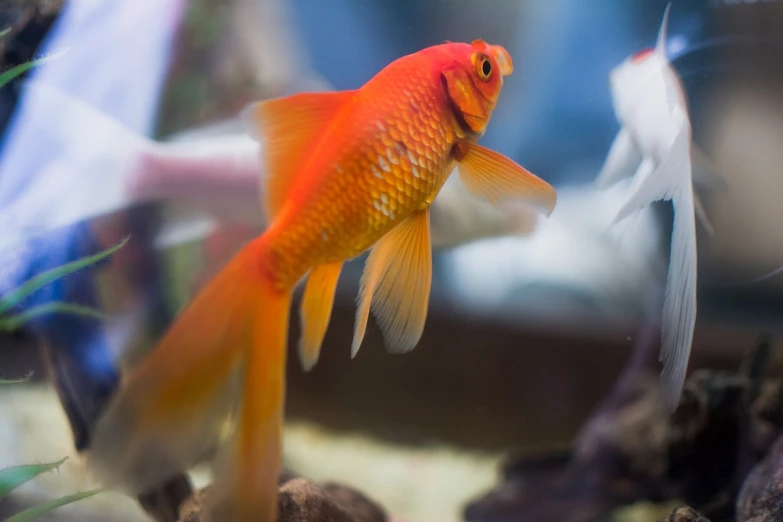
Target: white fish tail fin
{"type": "Point", "coordinates": [679, 307]}
{"type": "Point", "coordinates": [622, 160]}
{"type": "Point", "coordinates": [90, 172]}
{"type": "Point", "coordinates": [673, 173]}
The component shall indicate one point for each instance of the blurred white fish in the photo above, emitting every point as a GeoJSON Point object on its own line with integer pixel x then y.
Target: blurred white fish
{"type": "Point", "coordinates": [655, 142]}
{"type": "Point", "coordinates": [211, 175]}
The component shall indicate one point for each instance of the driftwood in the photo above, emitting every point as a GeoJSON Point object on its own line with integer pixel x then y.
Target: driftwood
{"type": "Point", "coordinates": [630, 451]}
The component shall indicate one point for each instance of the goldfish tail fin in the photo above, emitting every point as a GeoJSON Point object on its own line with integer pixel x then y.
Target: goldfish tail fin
{"type": "Point", "coordinates": [171, 408]}
{"type": "Point", "coordinates": [95, 166]}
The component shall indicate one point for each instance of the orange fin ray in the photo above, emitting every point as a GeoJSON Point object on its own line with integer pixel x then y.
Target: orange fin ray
{"type": "Point", "coordinates": [247, 470]}
{"type": "Point", "coordinates": [289, 127]}
{"type": "Point", "coordinates": [167, 413]}
{"type": "Point", "coordinates": [491, 176]}
{"type": "Point", "coordinates": [316, 310]}
{"type": "Point", "coordinates": [396, 285]}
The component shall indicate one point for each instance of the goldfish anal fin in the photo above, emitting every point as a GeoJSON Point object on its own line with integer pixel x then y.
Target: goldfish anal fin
{"type": "Point", "coordinates": [170, 408]}
{"type": "Point", "coordinates": [315, 311]}
{"type": "Point", "coordinates": [491, 176]}
{"type": "Point", "coordinates": [396, 285]}
{"type": "Point", "coordinates": [288, 129]}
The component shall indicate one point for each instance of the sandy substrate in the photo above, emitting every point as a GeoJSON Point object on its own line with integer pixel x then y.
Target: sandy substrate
{"type": "Point", "coordinates": [429, 483]}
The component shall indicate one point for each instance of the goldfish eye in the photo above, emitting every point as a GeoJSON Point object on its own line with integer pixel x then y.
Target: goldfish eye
{"type": "Point", "coordinates": [484, 67]}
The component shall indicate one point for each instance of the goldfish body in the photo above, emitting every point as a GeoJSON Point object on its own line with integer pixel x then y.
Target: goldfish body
{"type": "Point", "coordinates": [348, 171]}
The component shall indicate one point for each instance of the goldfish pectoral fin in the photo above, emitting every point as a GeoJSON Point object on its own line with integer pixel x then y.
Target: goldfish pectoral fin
{"type": "Point", "coordinates": [702, 215]}
{"type": "Point", "coordinates": [396, 285]}
{"type": "Point", "coordinates": [491, 176]}
{"type": "Point", "coordinates": [248, 469]}
{"type": "Point", "coordinates": [287, 128]}
{"type": "Point", "coordinates": [679, 307]}
{"type": "Point", "coordinates": [672, 175]}
{"type": "Point", "coordinates": [315, 311]}
{"type": "Point", "coordinates": [167, 414]}
{"type": "Point", "coordinates": [623, 158]}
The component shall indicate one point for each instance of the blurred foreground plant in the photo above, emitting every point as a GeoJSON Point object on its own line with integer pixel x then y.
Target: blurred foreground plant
{"type": "Point", "coordinates": [13, 477]}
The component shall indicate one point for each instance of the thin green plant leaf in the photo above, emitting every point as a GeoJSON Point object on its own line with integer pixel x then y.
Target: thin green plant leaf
{"type": "Point", "coordinates": [16, 70]}
{"type": "Point", "coordinates": [13, 477]}
{"type": "Point", "coordinates": [15, 321]}
{"type": "Point", "coordinates": [28, 287]}
{"type": "Point", "coordinates": [34, 512]}
{"type": "Point", "coordinates": [5, 31]}
{"type": "Point", "coordinates": [16, 381]}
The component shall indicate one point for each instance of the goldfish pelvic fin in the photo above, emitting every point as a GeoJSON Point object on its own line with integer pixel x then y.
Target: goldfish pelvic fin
{"type": "Point", "coordinates": [316, 309]}
{"type": "Point", "coordinates": [288, 128]}
{"type": "Point", "coordinates": [491, 176]}
{"type": "Point", "coordinates": [396, 282]}
{"type": "Point", "coordinates": [623, 158]}
{"type": "Point", "coordinates": [247, 469]}
{"type": "Point", "coordinates": [170, 408]}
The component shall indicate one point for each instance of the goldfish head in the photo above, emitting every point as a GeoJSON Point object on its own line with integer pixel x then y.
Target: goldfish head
{"type": "Point", "coordinates": [473, 76]}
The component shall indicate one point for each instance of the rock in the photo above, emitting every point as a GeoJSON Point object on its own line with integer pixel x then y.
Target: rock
{"type": "Point", "coordinates": [685, 514]}
{"type": "Point", "coordinates": [300, 500]}
{"type": "Point", "coordinates": [761, 494]}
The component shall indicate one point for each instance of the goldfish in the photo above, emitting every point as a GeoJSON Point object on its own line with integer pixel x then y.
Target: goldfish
{"type": "Point", "coordinates": [347, 172]}
{"type": "Point", "coordinates": [654, 145]}
{"type": "Point", "coordinates": [207, 178]}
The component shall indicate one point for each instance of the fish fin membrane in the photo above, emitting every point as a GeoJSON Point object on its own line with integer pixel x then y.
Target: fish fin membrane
{"type": "Point", "coordinates": [95, 168]}
{"type": "Point", "coordinates": [396, 285]}
{"type": "Point", "coordinates": [172, 407]}
{"type": "Point", "coordinates": [671, 180]}
{"type": "Point", "coordinates": [288, 129]}
{"type": "Point", "coordinates": [621, 162]}
{"type": "Point", "coordinates": [316, 310]}
{"type": "Point", "coordinates": [702, 215]}
{"type": "Point", "coordinates": [247, 470]}
{"type": "Point", "coordinates": [495, 178]}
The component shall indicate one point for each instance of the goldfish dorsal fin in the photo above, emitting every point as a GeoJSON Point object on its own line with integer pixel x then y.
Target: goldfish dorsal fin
{"type": "Point", "coordinates": [288, 129]}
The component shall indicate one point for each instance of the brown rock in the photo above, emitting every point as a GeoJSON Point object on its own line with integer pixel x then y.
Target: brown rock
{"type": "Point", "coordinates": [300, 500]}
{"type": "Point", "coordinates": [685, 514]}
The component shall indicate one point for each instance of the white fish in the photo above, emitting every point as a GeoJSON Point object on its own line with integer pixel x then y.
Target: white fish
{"type": "Point", "coordinates": [654, 145]}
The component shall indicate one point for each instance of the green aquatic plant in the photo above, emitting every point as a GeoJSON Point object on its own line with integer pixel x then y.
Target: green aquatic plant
{"type": "Point", "coordinates": [13, 298]}
{"type": "Point", "coordinates": [13, 477]}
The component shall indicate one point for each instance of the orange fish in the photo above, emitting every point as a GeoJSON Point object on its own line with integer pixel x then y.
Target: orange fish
{"type": "Point", "coordinates": [348, 171]}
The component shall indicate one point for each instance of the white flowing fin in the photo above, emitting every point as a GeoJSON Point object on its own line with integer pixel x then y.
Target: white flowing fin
{"type": "Point", "coordinates": [679, 306]}
{"type": "Point", "coordinates": [671, 180]}
{"type": "Point", "coordinates": [93, 169]}
{"type": "Point", "coordinates": [623, 158]}
{"type": "Point", "coordinates": [698, 206]}
{"type": "Point", "coordinates": [667, 178]}
{"type": "Point", "coordinates": [660, 44]}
